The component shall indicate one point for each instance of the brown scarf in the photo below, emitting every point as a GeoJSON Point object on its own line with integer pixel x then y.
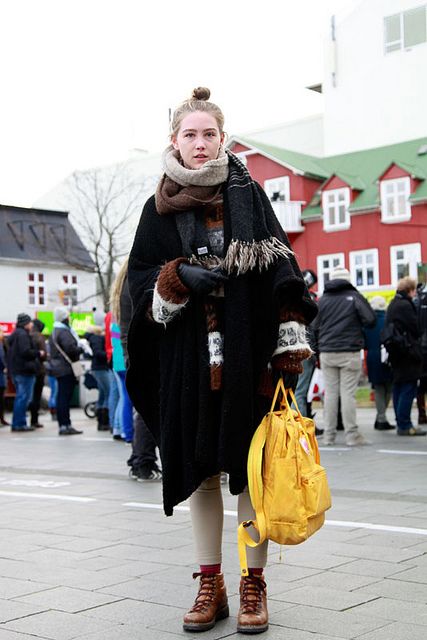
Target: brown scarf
{"type": "Point", "coordinates": [182, 189]}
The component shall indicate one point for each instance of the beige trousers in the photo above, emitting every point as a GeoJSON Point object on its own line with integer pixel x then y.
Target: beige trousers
{"type": "Point", "coordinates": [207, 515]}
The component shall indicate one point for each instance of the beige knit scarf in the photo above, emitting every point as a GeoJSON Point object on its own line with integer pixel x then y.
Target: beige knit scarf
{"type": "Point", "coordinates": [181, 189]}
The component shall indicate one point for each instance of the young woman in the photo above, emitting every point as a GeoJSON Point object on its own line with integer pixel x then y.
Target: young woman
{"type": "Point", "coordinates": [219, 305]}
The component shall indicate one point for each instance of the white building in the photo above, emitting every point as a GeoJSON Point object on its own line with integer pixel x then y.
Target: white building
{"type": "Point", "coordinates": [43, 264]}
{"type": "Point", "coordinates": [375, 87]}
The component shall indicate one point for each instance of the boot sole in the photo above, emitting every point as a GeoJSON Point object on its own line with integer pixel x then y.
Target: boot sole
{"type": "Point", "coordinates": [252, 629]}
{"type": "Point", "coordinates": [205, 626]}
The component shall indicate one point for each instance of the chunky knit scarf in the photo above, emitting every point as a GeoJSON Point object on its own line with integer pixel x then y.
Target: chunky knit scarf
{"type": "Point", "coordinates": [252, 246]}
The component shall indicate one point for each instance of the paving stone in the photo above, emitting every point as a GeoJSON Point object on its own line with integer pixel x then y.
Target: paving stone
{"type": "Point", "coordinates": [371, 568]}
{"type": "Point", "coordinates": [395, 610]}
{"type": "Point", "coordinates": [5, 634]}
{"type": "Point", "coordinates": [10, 609]}
{"type": "Point", "coordinates": [341, 624]}
{"type": "Point", "coordinates": [417, 574]}
{"type": "Point", "coordinates": [397, 631]}
{"type": "Point", "coordinates": [128, 632]}
{"type": "Point", "coordinates": [397, 589]}
{"type": "Point", "coordinates": [11, 588]}
{"type": "Point", "coordinates": [68, 600]}
{"type": "Point", "coordinates": [124, 611]}
{"type": "Point", "coordinates": [332, 580]}
{"type": "Point", "coordinates": [223, 629]}
{"type": "Point", "coordinates": [317, 596]}
{"type": "Point", "coordinates": [57, 625]}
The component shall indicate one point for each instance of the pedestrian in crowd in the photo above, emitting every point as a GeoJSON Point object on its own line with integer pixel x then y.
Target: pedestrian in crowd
{"type": "Point", "coordinates": [379, 371]}
{"type": "Point", "coordinates": [406, 357]}
{"type": "Point", "coordinates": [101, 372]}
{"type": "Point", "coordinates": [114, 395]}
{"type": "Point", "coordinates": [40, 342]}
{"type": "Point", "coordinates": [23, 359]}
{"type": "Point", "coordinates": [212, 278]}
{"type": "Point", "coordinates": [64, 347]}
{"type": "Point", "coordinates": [420, 302]}
{"type": "Point", "coordinates": [309, 364]}
{"type": "Point", "coordinates": [124, 410]}
{"type": "Point", "coordinates": [343, 312]}
{"type": "Point", "coordinates": [3, 381]}
{"type": "Point", "coordinates": [143, 459]}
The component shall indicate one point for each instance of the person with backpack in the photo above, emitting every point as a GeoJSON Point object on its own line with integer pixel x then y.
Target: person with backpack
{"type": "Point", "coordinates": [405, 353]}
{"type": "Point", "coordinates": [338, 331]}
{"type": "Point", "coordinates": [64, 348]}
{"type": "Point", "coordinates": [220, 305]}
{"type": "Point", "coordinates": [101, 372]}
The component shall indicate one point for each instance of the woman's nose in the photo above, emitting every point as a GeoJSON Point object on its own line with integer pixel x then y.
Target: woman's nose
{"type": "Point", "coordinates": [200, 143]}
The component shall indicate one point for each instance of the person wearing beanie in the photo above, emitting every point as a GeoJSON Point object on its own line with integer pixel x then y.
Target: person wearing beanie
{"type": "Point", "coordinates": [379, 372]}
{"type": "Point", "coordinates": [63, 349]}
{"type": "Point", "coordinates": [40, 342]}
{"type": "Point", "coordinates": [339, 339]}
{"type": "Point", "coordinates": [220, 311]}
{"type": "Point", "coordinates": [23, 358]}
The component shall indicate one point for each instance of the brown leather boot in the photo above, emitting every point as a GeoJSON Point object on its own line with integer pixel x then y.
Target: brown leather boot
{"type": "Point", "coordinates": [211, 603]}
{"type": "Point", "coordinates": [253, 614]}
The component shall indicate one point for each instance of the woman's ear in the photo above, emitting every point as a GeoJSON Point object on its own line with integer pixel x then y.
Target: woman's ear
{"type": "Point", "coordinates": [174, 142]}
{"type": "Point", "coordinates": [222, 137]}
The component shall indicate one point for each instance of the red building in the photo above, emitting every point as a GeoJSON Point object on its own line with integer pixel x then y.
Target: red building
{"type": "Point", "coordinates": [366, 210]}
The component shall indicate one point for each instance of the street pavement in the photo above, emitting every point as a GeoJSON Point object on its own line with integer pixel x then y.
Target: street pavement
{"type": "Point", "coordinates": [87, 553]}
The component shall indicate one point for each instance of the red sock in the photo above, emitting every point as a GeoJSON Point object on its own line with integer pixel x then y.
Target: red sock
{"type": "Point", "coordinates": [256, 571]}
{"type": "Point", "coordinates": [210, 568]}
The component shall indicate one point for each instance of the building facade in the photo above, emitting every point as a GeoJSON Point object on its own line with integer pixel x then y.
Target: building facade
{"type": "Point", "coordinates": [43, 264]}
{"type": "Point", "coordinates": [366, 211]}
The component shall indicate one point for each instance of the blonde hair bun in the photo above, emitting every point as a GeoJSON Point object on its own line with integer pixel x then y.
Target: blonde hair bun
{"type": "Point", "coordinates": [201, 93]}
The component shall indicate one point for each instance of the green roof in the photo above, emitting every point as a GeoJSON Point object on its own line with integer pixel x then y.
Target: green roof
{"type": "Point", "coordinates": [359, 169]}
{"type": "Point", "coordinates": [300, 161]}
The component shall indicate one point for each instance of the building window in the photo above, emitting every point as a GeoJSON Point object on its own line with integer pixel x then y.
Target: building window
{"type": "Point", "coordinates": [69, 293]}
{"type": "Point", "coordinates": [36, 289]}
{"type": "Point", "coordinates": [405, 30]}
{"type": "Point", "coordinates": [335, 204]}
{"type": "Point", "coordinates": [404, 259]}
{"type": "Point", "coordinates": [325, 265]}
{"type": "Point", "coordinates": [395, 205]}
{"type": "Point", "coordinates": [277, 190]}
{"type": "Point", "coordinates": [364, 268]}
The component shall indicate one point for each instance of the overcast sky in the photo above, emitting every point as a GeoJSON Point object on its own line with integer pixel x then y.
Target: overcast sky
{"type": "Point", "coordinates": [84, 81]}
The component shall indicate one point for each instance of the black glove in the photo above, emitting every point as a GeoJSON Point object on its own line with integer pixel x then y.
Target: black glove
{"type": "Point", "coordinates": [290, 380]}
{"type": "Point", "coordinates": [199, 279]}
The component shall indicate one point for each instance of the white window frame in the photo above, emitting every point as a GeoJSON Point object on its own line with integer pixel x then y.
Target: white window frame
{"type": "Point", "coordinates": [392, 197]}
{"type": "Point", "coordinates": [280, 185]}
{"type": "Point", "coordinates": [336, 260]}
{"type": "Point", "coordinates": [399, 44]}
{"type": "Point", "coordinates": [339, 196]}
{"type": "Point", "coordinates": [39, 285]}
{"type": "Point", "coordinates": [412, 257]}
{"type": "Point", "coordinates": [73, 288]}
{"type": "Point", "coordinates": [354, 267]}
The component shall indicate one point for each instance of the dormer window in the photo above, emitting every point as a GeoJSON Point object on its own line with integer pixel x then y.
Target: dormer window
{"type": "Point", "coordinates": [395, 205]}
{"type": "Point", "coordinates": [335, 204]}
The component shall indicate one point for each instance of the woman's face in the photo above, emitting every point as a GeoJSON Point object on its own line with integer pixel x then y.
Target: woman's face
{"type": "Point", "coordinates": [198, 139]}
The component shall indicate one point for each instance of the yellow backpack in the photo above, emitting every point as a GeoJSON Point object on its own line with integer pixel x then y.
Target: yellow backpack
{"type": "Point", "coordinates": [288, 488]}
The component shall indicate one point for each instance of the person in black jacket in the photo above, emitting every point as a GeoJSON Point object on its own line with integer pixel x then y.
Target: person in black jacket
{"type": "Point", "coordinates": [101, 372]}
{"type": "Point", "coordinates": [64, 341]}
{"type": "Point", "coordinates": [23, 365]}
{"type": "Point", "coordinates": [40, 343]}
{"type": "Point", "coordinates": [406, 360]}
{"type": "Point", "coordinates": [343, 312]}
{"type": "Point", "coordinates": [379, 372]}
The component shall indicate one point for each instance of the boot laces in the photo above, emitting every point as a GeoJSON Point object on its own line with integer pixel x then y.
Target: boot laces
{"type": "Point", "coordinates": [206, 593]}
{"type": "Point", "coordinates": [253, 589]}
